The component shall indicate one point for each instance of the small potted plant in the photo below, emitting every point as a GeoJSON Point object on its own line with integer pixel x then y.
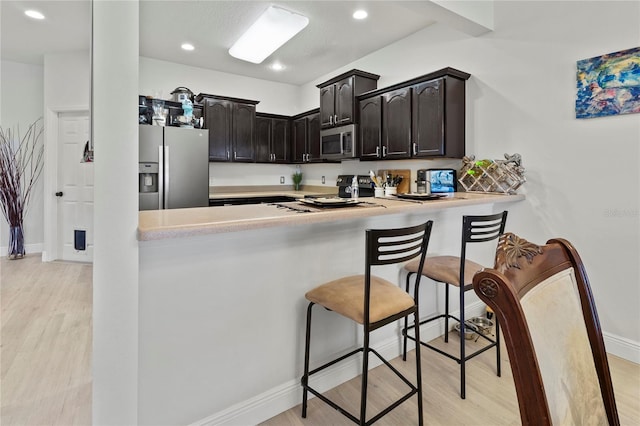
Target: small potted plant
{"type": "Point", "coordinates": [297, 178]}
{"type": "Point", "coordinates": [21, 162]}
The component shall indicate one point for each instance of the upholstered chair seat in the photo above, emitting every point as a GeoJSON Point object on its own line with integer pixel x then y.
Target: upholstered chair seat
{"type": "Point", "coordinates": [345, 296]}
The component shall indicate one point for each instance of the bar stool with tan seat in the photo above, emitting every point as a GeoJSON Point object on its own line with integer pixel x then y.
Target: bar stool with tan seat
{"type": "Point", "coordinates": [372, 302]}
{"type": "Point", "coordinates": [457, 272]}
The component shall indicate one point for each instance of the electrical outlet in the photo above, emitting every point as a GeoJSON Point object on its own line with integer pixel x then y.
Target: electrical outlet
{"type": "Point", "coordinates": [323, 180]}
{"type": "Point", "coordinates": [281, 179]}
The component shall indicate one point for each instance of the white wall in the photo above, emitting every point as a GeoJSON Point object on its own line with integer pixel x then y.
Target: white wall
{"type": "Point", "coordinates": [520, 98]}
{"type": "Point", "coordinates": [22, 104]}
{"type": "Point", "coordinates": [67, 80]}
{"type": "Point", "coordinates": [160, 78]}
{"type": "Point", "coordinates": [67, 85]}
{"type": "Point", "coordinates": [115, 266]}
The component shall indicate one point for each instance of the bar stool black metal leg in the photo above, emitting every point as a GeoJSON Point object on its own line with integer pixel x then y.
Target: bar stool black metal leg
{"type": "Point", "coordinates": [405, 331]}
{"type": "Point", "coordinates": [365, 376]}
{"type": "Point", "coordinates": [418, 368]}
{"type": "Point", "coordinates": [446, 313]}
{"type": "Point", "coordinates": [498, 348]}
{"type": "Point", "coordinates": [462, 342]}
{"type": "Point", "coordinates": [305, 376]}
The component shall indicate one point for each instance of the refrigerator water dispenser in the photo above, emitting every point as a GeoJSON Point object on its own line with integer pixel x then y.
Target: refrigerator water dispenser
{"type": "Point", "coordinates": [148, 177]}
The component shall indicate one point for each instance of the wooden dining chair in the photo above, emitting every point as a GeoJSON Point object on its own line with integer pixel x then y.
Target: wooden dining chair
{"type": "Point", "coordinates": [542, 298]}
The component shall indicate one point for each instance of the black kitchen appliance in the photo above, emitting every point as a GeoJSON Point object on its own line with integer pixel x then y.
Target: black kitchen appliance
{"type": "Point", "coordinates": [364, 186]}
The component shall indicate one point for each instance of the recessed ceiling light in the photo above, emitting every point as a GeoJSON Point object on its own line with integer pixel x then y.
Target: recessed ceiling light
{"type": "Point", "coordinates": [34, 14]}
{"type": "Point", "coordinates": [360, 14]}
{"type": "Point", "coordinates": [273, 28]}
{"type": "Point", "coordinates": [187, 46]}
{"type": "Point", "coordinates": [276, 66]}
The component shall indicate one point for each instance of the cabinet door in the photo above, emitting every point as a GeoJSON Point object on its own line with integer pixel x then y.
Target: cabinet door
{"type": "Point", "coordinates": [344, 102]}
{"type": "Point", "coordinates": [263, 140]}
{"type": "Point", "coordinates": [217, 118]}
{"type": "Point", "coordinates": [280, 140]}
{"type": "Point", "coordinates": [327, 106]}
{"type": "Point", "coordinates": [396, 124]}
{"type": "Point", "coordinates": [428, 119]}
{"type": "Point", "coordinates": [299, 140]}
{"type": "Point", "coordinates": [370, 128]}
{"type": "Point", "coordinates": [313, 137]}
{"type": "Point", "coordinates": [244, 116]}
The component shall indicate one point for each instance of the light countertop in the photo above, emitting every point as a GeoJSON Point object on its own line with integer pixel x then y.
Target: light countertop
{"type": "Point", "coordinates": [181, 223]}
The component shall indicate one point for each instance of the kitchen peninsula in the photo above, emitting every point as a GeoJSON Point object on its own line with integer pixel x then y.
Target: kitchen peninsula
{"type": "Point", "coordinates": [221, 299]}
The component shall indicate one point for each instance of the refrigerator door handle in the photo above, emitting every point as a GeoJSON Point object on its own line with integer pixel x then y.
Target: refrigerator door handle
{"type": "Point", "coordinates": [160, 177]}
{"type": "Point", "coordinates": [166, 178]}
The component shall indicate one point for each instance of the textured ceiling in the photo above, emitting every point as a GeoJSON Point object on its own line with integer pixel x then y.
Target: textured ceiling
{"type": "Point", "coordinates": [332, 39]}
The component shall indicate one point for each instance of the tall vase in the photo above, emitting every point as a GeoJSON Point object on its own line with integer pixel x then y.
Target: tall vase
{"type": "Point", "coordinates": [16, 242]}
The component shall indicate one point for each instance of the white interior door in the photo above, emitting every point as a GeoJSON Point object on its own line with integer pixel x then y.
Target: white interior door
{"type": "Point", "coordinates": [75, 189]}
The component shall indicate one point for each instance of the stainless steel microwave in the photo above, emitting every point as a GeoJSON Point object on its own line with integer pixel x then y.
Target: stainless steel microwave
{"type": "Point", "coordinates": [338, 143]}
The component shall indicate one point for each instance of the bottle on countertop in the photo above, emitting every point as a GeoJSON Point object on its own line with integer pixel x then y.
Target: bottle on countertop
{"type": "Point", "coordinates": [354, 187]}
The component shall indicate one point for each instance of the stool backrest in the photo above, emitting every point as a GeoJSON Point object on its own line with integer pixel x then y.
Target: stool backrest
{"type": "Point", "coordinates": [543, 302]}
{"type": "Point", "coordinates": [390, 246]}
{"type": "Point", "coordinates": [479, 229]}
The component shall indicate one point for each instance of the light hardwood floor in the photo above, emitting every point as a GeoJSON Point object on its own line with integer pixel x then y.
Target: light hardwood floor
{"type": "Point", "coordinates": [46, 342]}
{"type": "Point", "coordinates": [45, 358]}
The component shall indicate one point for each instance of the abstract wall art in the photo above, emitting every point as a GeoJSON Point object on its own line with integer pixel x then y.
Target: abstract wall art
{"type": "Point", "coordinates": [609, 84]}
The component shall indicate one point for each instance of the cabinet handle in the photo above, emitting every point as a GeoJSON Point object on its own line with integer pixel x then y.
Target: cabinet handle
{"type": "Point", "coordinates": [227, 154]}
{"type": "Point", "coordinates": [384, 151]}
{"type": "Point", "coordinates": [335, 118]}
{"type": "Point", "coordinates": [235, 155]}
{"type": "Point", "coordinates": [331, 119]}
{"type": "Point", "coordinates": [377, 152]}
{"type": "Point", "coordinates": [415, 148]}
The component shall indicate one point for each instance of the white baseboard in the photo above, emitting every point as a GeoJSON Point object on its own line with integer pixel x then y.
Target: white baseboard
{"type": "Point", "coordinates": [624, 348]}
{"type": "Point", "coordinates": [286, 396]}
{"type": "Point", "coordinates": [29, 248]}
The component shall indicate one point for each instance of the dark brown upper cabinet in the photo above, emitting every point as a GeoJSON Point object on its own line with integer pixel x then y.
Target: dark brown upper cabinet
{"type": "Point", "coordinates": [231, 124]}
{"type": "Point", "coordinates": [337, 97]}
{"type": "Point", "coordinates": [439, 118]}
{"type": "Point", "coordinates": [305, 137]}
{"type": "Point", "coordinates": [272, 138]}
{"type": "Point", "coordinates": [370, 134]}
{"type": "Point", "coordinates": [396, 124]}
{"type": "Point", "coordinates": [422, 117]}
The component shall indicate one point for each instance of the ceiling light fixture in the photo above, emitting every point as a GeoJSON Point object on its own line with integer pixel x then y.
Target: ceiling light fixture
{"type": "Point", "coordinates": [34, 14]}
{"type": "Point", "coordinates": [360, 14]}
{"type": "Point", "coordinates": [187, 46]}
{"type": "Point", "coordinates": [273, 28]}
{"type": "Point", "coordinates": [277, 66]}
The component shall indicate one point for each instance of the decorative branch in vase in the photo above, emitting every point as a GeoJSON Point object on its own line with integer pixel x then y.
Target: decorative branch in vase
{"type": "Point", "coordinates": [21, 162]}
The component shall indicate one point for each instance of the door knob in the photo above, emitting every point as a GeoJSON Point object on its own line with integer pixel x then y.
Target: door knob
{"type": "Point", "coordinates": [59, 194]}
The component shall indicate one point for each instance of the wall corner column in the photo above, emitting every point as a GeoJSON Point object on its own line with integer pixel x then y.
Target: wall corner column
{"type": "Point", "coordinates": [114, 75]}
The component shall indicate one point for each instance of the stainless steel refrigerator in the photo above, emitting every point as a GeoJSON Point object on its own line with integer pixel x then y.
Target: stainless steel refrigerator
{"type": "Point", "coordinates": [174, 168]}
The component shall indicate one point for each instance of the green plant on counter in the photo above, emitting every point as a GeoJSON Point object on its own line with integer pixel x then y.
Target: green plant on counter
{"type": "Point", "coordinates": [297, 178]}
